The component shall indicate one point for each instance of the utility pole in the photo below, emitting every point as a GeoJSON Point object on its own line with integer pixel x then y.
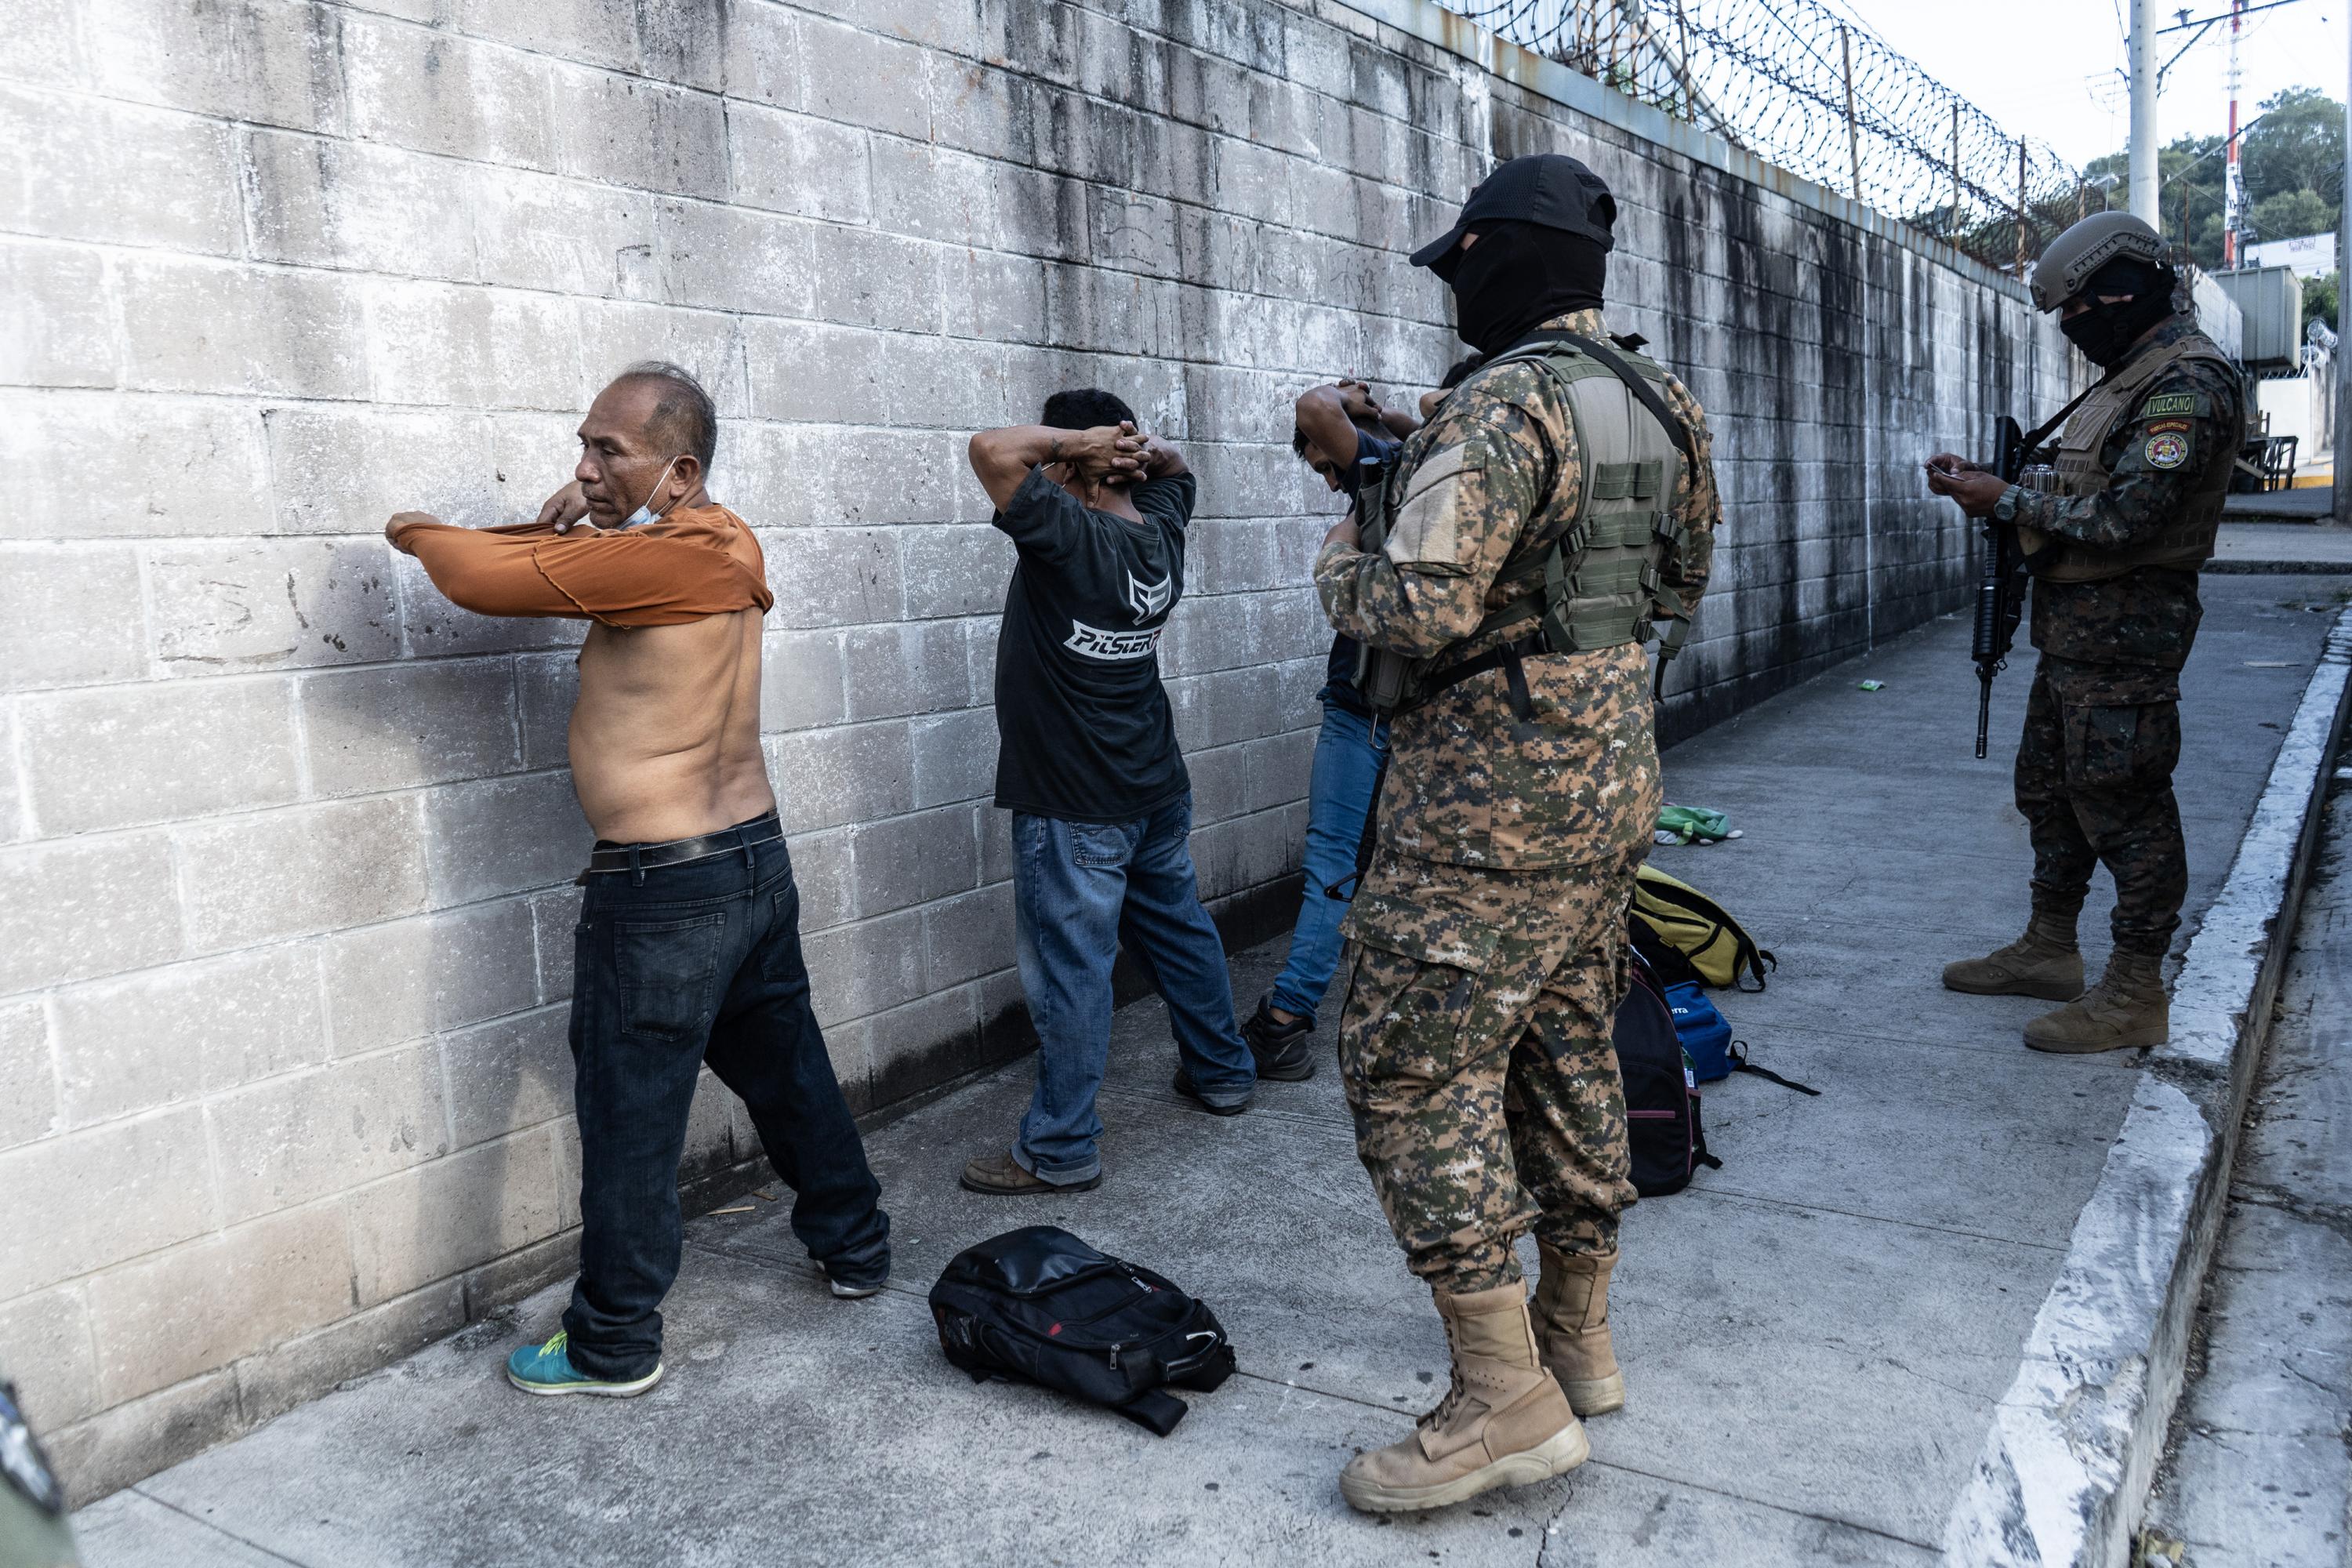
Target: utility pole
{"type": "Point", "coordinates": [2143, 112]}
{"type": "Point", "coordinates": [2233, 198]}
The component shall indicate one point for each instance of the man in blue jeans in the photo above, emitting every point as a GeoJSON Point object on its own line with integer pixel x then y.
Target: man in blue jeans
{"type": "Point", "coordinates": [687, 949]}
{"type": "Point", "coordinates": [1086, 763]}
{"type": "Point", "coordinates": [1346, 437]}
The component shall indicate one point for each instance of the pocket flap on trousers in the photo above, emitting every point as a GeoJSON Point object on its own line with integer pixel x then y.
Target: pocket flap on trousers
{"type": "Point", "coordinates": [1414, 931]}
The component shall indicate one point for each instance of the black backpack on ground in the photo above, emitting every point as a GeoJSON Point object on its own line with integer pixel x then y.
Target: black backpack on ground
{"type": "Point", "coordinates": [1040, 1305]}
{"type": "Point", "coordinates": [1662, 1109]}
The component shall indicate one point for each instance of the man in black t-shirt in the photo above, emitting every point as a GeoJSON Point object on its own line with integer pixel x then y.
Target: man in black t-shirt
{"type": "Point", "coordinates": [1086, 763]}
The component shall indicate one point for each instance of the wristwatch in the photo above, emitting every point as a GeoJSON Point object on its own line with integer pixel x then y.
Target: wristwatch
{"type": "Point", "coordinates": [2005, 509]}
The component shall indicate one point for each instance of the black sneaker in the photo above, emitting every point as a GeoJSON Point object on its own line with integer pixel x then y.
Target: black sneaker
{"type": "Point", "coordinates": [1184, 1086]}
{"type": "Point", "coordinates": [1281, 1048]}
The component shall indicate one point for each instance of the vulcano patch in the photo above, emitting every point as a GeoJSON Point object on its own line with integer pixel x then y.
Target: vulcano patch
{"type": "Point", "coordinates": [2189, 403]}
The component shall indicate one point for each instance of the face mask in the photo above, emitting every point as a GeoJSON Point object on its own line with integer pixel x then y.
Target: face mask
{"type": "Point", "coordinates": [645, 513]}
{"type": "Point", "coordinates": [2105, 332]}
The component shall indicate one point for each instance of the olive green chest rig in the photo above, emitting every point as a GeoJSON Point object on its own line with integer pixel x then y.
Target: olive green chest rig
{"type": "Point", "coordinates": [1588, 569]}
{"type": "Point", "coordinates": [2186, 541]}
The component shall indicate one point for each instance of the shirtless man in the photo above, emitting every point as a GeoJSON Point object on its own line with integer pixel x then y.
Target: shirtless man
{"type": "Point", "coordinates": [689, 943]}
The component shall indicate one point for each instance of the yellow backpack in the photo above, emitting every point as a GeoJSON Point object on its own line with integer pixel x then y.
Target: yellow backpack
{"type": "Point", "coordinates": [1702, 931]}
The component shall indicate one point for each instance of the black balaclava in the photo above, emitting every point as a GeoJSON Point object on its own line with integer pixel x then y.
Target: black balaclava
{"type": "Point", "coordinates": [1519, 276]}
{"type": "Point", "coordinates": [2105, 332]}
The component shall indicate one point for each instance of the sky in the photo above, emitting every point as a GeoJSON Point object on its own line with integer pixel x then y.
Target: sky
{"type": "Point", "coordinates": [2051, 68]}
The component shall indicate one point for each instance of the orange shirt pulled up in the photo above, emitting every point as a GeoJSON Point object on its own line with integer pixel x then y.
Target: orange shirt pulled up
{"type": "Point", "coordinates": [695, 562]}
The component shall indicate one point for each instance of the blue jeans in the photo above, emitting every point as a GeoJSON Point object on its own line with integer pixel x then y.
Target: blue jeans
{"type": "Point", "coordinates": [674, 966]}
{"type": "Point", "coordinates": [1079, 890]}
{"type": "Point", "coordinates": [1348, 755]}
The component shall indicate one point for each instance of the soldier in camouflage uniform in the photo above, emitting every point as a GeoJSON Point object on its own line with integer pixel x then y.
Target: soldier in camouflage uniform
{"type": "Point", "coordinates": [2143, 466]}
{"type": "Point", "coordinates": [1531, 532]}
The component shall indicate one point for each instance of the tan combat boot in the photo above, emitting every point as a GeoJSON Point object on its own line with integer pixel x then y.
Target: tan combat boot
{"type": "Point", "coordinates": [2126, 1010]}
{"type": "Point", "coordinates": [1572, 1323]}
{"type": "Point", "coordinates": [1503, 1423]}
{"type": "Point", "coordinates": [2044, 962]}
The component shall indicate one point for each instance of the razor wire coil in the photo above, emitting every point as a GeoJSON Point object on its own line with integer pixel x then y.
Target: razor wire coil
{"type": "Point", "coordinates": [1820, 95]}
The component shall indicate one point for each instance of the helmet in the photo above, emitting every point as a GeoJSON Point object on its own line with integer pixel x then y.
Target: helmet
{"type": "Point", "coordinates": [2068, 261]}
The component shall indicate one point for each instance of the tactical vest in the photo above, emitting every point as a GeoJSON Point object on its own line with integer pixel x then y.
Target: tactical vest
{"type": "Point", "coordinates": [1590, 572]}
{"type": "Point", "coordinates": [2185, 542]}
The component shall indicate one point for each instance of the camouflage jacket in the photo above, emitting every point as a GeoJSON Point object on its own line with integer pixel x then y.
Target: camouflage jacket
{"type": "Point", "coordinates": [2138, 626]}
{"type": "Point", "coordinates": [1468, 783]}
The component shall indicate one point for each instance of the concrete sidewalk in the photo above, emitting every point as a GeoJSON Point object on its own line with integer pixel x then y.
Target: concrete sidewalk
{"type": "Point", "coordinates": [1815, 1335]}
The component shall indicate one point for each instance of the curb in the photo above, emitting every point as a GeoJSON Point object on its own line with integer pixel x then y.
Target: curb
{"type": "Point", "coordinates": [2074, 1443]}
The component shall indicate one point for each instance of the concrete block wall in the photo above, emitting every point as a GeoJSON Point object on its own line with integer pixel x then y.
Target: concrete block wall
{"type": "Point", "coordinates": [286, 841]}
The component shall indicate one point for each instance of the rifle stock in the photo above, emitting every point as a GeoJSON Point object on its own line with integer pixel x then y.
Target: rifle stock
{"type": "Point", "coordinates": [2001, 586]}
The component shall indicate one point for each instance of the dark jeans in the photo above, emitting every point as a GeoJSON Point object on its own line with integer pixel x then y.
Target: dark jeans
{"type": "Point", "coordinates": [674, 966]}
{"type": "Point", "coordinates": [1078, 890]}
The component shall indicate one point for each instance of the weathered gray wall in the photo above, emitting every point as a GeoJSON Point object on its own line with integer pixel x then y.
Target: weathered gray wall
{"type": "Point", "coordinates": [283, 894]}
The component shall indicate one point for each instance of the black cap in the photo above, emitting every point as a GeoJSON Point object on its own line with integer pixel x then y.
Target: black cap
{"type": "Point", "coordinates": [1548, 188]}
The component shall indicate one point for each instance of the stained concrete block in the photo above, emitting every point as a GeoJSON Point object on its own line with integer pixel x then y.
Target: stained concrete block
{"type": "Point", "coordinates": [276, 62]}
{"type": "Point", "coordinates": [180, 467]}
{"type": "Point", "coordinates": [893, 671]}
{"type": "Point", "coordinates": [117, 1446]}
{"type": "Point", "coordinates": [327, 1129]}
{"type": "Point", "coordinates": [74, 909]}
{"type": "Point", "coordinates": [271, 604]}
{"type": "Point", "coordinates": [434, 91]}
{"type": "Point", "coordinates": [77, 154]}
{"type": "Point", "coordinates": [94, 589]}
{"type": "Point", "coordinates": [114, 1191]}
{"type": "Point", "coordinates": [202, 1304]}
{"type": "Point", "coordinates": [500, 835]}
{"type": "Point", "coordinates": [167, 1034]}
{"type": "Point", "coordinates": [799, 164]}
{"type": "Point", "coordinates": [192, 325]}
{"type": "Point", "coordinates": [802, 685]}
{"type": "Point", "coordinates": [69, 342]}
{"type": "Point", "coordinates": [275, 1380]}
{"type": "Point", "coordinates": [346, 470]}
{"type": "Point", "coordinates": [914, 860]}
{"type": "Point", "coordinates": [298, 870]}
{"type": "Point", "coordinates": [453, 1212]}
{"type": "Point", "coordinates": [87, 752]}
{"type": "Point", "coordinates": [834, 577]}
{"type": "Point", "coordinates": [509, 1075]}
{"type": "Point", "coordinates": [824, 778]}
{"type": "Point", "coordinates": [571, 236]}
{"type": "Point", "coordinates": [441, 344]}
{"type": "Point", "coordinates": [647, 135]}
{"type": "Point", "coordinates": [398, 726]}
{"type": "Point", "coordinates": [406, 978]}
{"type": "Point", "coordinates": [46, 1346]}
{"type": "Point", "coordinates": [28, 1074]}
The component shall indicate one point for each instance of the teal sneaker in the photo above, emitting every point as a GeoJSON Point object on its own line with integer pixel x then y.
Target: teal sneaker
{"type": "Point", "coordinates": [548, 1369]}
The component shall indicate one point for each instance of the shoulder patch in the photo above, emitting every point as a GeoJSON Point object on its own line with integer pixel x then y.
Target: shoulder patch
{"type": "Point", "coordinates": [2168, 450]}
{"type": "Point", "coordinates": [2189, 403]}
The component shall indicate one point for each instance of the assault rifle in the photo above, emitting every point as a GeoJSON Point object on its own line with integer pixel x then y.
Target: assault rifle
{"type": "Point", "coordinates": [2000, 590]}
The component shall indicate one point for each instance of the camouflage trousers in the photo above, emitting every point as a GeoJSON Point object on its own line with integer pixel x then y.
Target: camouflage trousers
{"type": "Point", "coordinates": [2095, 782]}
{"type": "Point", "coordinates": [1475, 1050]}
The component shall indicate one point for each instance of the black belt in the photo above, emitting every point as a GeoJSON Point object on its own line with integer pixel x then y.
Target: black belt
{"type": "Point", "coordinates": [608, 855]}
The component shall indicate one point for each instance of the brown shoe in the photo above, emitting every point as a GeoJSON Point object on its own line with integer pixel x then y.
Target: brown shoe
{"type": "Point", "coordinates": [1000, 1175]}
{"type": "Point", "coordinates": [1503, 1423]}
{"type": "Point", "coordinates": [1572, 1324]}
{"type": "Point", "coordinates": [2126, 1010]}
{"type": "Point", "coordinates": [2044, 962]}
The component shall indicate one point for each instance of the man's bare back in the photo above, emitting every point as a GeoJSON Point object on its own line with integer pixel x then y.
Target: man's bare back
{"type": "Point", "coordinates": [665, 738]}
{"type": "Point", "coordinates": [666, 733]}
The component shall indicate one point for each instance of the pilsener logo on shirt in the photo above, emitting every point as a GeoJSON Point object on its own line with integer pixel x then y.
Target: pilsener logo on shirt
{"type": "Point", "coordinates": [1093, 642]}
{"type": "Point", "coordinates": [1148, 599]}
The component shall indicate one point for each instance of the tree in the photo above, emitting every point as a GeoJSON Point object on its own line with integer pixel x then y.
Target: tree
{"type": "Point", "coordinates": [2291, 162]}
{"type": "Point", "coordinates": [2319, 301]}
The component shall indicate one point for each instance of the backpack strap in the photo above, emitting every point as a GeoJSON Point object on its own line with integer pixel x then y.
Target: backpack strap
{"type": "Point", "coordinates": [1155, 1410]}
{"type": "Point", "coordinates": [1740, 1063]}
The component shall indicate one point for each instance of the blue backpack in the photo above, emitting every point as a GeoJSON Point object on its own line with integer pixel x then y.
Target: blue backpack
{"type": "Point", "coordinates": [1707, 1045]}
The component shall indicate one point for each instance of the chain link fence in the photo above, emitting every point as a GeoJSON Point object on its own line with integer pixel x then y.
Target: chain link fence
{"type": "Point", "coordinates": [1815, 92]}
